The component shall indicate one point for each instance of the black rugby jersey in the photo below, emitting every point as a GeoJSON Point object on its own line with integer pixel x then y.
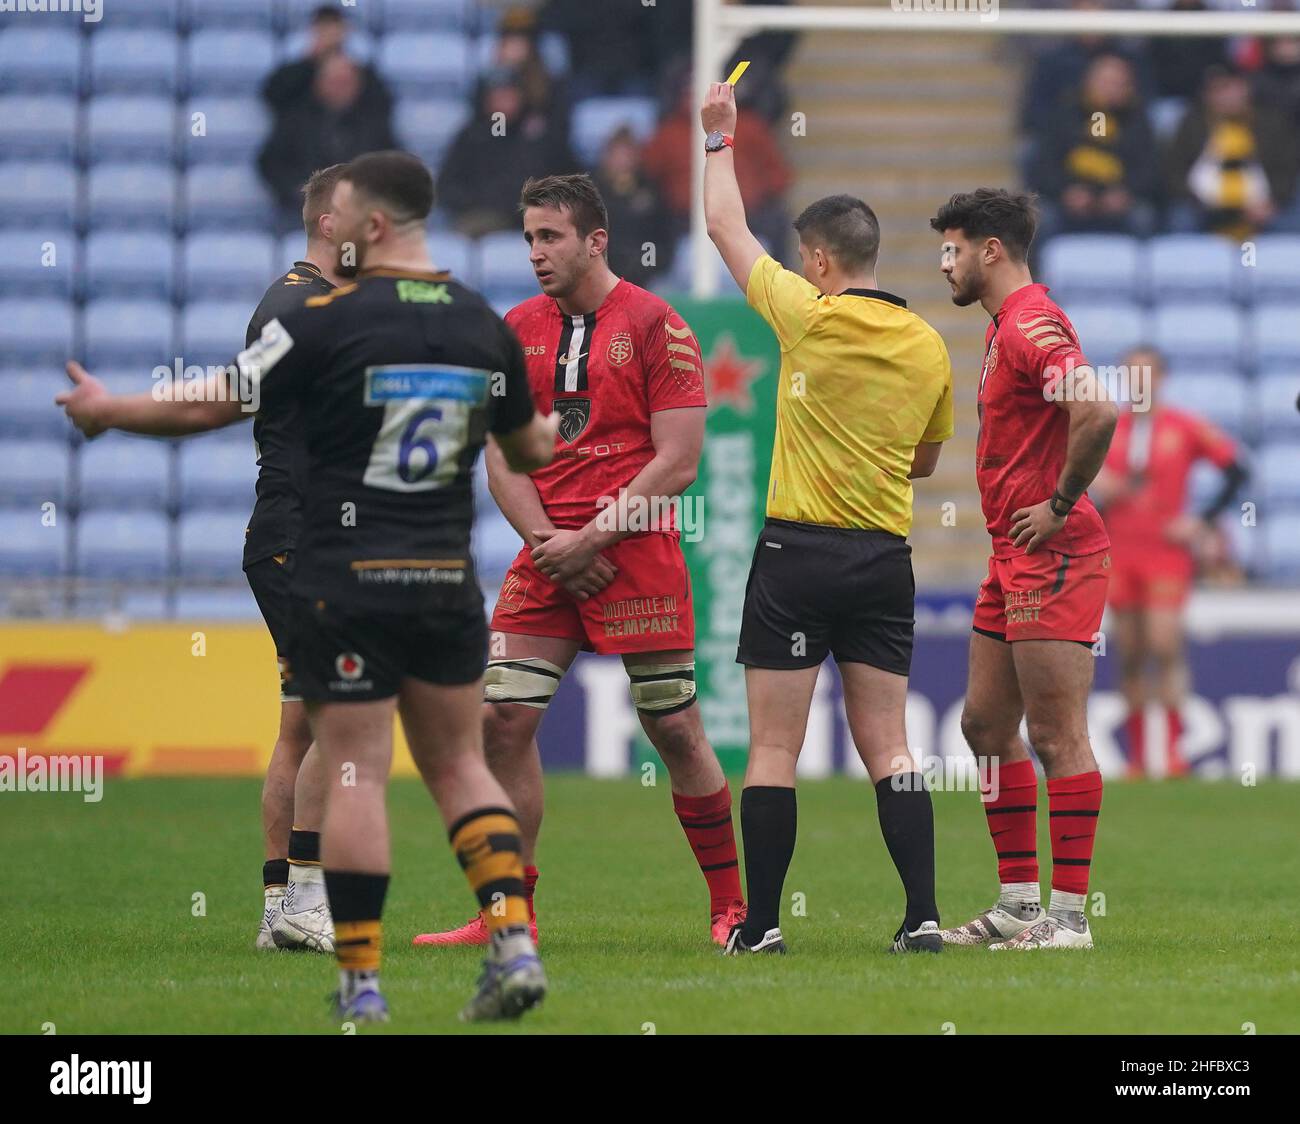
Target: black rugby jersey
{"type": "Point", "coordinates": [397, 378]}
{"type": "Point", "coordinates": [281, 459]}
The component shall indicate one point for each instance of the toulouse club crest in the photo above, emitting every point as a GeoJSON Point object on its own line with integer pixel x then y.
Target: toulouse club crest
{"type": "Point", "coordinates": [620, 348]}
{"type": "Point", "coordinates": [574, 413]}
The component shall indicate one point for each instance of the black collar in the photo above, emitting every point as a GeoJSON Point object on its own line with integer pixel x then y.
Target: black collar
{"type": "Point", "coordinates": [875, 294]}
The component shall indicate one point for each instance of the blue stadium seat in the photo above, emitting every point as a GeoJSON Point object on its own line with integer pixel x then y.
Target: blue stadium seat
{"type": "Point", "coordinates": [1275, 335]}
{"type": "Point", "coordinates": [38, 128]}
{"type": "Point", "coordinates": [361, 45]}
{"type": "Point", "coordinates": [1106, 331]}
{"type": "Point", "coordinates": [1281, 547]}
{"type": "Point", "coordinates": [27, 403]}
{"type": "Point", "coordinates": [261, 14]}
{"type": "Point", "coordinates": [28, 548]}
{"type": "Point", "coordinates": [147, 13]}
{"type": "Point", "coordinates": [1276, 391]}
{"type": "Point", "coordinates": [37, 192]}
{"type": "Point", "coordinates": [503, 262]}
{"type": "Point", "coordinates": [213, 332]}
{"type": "Point", "coordinates": [236, 264]}
{"type": "Point", "coordinates": [122, 263]}
{"type": "Point", "coordinates": [37, 262]}
{"type": "Point", "coordinates": [141, 604]}
{"type": "Point", "coordinates": [35, 330]}
{"type": "Point", "coordinates": [422, 15]}
{"type": "Point", "coordinates": [34, 472]}
{"type": "Point", "coordinates": [211, 544]}
{"type": "Point", "coordinates": [233, 129]}
{"type": "Point", "coordinates": [40, 59]}
{"type": "Point", "coordinates": [135, 379]}
{"type": "Point", "coordinates": [1093, 266]}
{"type": "Point", "coordinates": [219, 61]}
{"type": "Point", "coordinates": [289, 250]}
{"type": "Point", "coordinates": [215, 196]}
{"type": "Point", "coordinates": [495, 543]}
{"type": "Point", "coordinates": [426, 126]}
{"type": "Point", "coordinates": [1224, 399]}
{"type": "Point", "coordinates": [1276, 468]}
{"type": "Point", "coordinates": [1276, 272]}
{"type": "Point", "coordinates": [139, 196]}
{"type": "Point", "coordinates": [217, 471]}
{"type": "Point", "coordinates": [124, 545]}
{"type": "Point", "coordinates": [129, 60]}
{"type": "Point", "coordinates": [122, 471]}
{"type": "Point", "coordinates": [220, 603]}
{"type": "Point", "coordinates": [1193, 265]}
{"type": "Point", "coordinates": [596, 119]}
{"type": "Point", "coordinates": [130, 128]}
{"type": "Point", "coordinates": [128, 332]}
{"type": "Point", "coordinates": [423, 65]}
{"type": "Point", "coordinates": [454, 252]}
{"type": "Point", "coordinates": [1201, 332]}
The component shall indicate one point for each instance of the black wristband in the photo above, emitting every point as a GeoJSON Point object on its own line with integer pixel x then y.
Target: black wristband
{"type": "Point", "coordinates": [1057, 497]}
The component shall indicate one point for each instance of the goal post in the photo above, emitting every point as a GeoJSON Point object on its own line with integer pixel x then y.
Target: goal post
{"type": "Point", "coordinates": [720, 27]}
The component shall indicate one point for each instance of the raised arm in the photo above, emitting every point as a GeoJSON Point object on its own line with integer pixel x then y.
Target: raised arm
{"type": "Point", "coordinates": [92, 409]}
{"type": "Point", "coordinates": [724, 210]}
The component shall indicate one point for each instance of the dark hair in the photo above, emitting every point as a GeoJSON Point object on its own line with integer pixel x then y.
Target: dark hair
{"type": "Point", "coordinates": [327, 13]}
{"type": "Point", "coordinates": [990, 212]}
{"type": "Point", "coordinates": [845, 227]}
{"type": "Point", "coordinates": [317, 193]}
{"type": "Point", "coordinates": [578, 193]}
{"type": "Point", "coordinates": [395, 179]}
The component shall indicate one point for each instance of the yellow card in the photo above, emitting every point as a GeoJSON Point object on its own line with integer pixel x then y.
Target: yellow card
{"type": "Point", "coordinates": [741, 67]}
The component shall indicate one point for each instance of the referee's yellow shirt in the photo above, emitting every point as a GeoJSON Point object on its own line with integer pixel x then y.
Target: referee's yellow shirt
{"type": "Point", "coordinates": [863, 382]}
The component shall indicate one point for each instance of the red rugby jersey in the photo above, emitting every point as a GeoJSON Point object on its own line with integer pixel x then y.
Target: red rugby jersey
{"type": "Point", "coordinates": [605, 372]}
{"type": "Point", "coordinates": [1154, 453]}
{"type": "Point", "coordinates": [1029, 347]}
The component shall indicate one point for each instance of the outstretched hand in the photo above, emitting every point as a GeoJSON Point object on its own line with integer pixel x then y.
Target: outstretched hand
{"type": "Point", "coordinates": [84, 402]}
{"type": "Point", "coordinates": [718, 113]}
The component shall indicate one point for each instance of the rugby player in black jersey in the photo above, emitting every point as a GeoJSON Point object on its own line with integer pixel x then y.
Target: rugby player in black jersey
{"type": "Point", "coordinates": [400, 377]}
{"type": "Point", "coordinates": [295, 912]}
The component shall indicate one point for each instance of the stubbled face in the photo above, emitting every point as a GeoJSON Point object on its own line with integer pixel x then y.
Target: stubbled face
{"type": "Point", "coordinates": [350, 223]}
{"type": "Point", "coordinates": [959, 261]}
{"type": "Point", "coordinates": [559, 255]}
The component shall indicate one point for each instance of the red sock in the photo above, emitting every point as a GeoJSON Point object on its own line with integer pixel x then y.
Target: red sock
{"type": "Point", "coordinates": [1175, 762]}
{"type": "Point", "coordinates": [1074, 804]}
{"type": "Point", "coordinates": [530, 885]}
{"type": "Point", "coordinates": [1013, 821]}
{"type": "Point", "coordinates": [707, 823]}
{"type": "Point", "coordinates": [1135, 730]}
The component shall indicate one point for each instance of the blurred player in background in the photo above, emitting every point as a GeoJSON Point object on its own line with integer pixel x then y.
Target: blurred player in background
{"type": "Point", "coordinates": [1155, 542]}
{"type": "Point", "coordinates": [399, 378]}
{"type": "Point", "coordinates": [863, 407]}
{"type": "Point", "coordinates": [295, 913]}
{"type": "Point", "coordinates": [623, 371]}
{"type": "Point", "coordinates": [1045, 426]}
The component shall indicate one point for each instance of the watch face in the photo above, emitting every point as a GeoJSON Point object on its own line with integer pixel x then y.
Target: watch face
{"type": "Point", "coordinates": [713, 141]}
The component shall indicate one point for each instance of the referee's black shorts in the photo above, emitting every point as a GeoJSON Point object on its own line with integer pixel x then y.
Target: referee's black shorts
{"type": "Point", "coordinates": [816, 590]}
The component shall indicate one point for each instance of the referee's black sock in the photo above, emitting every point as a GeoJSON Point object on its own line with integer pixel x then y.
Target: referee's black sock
{"type": "Point", "coordinates": [907, 823]}
{"type": "Point", "coordinates": [767, 824]}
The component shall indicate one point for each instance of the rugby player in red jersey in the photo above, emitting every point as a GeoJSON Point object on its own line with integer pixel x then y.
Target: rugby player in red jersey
{"type": "Point", "coordinates": [601, 568]}
{"type": "Point", "coordinates": [1154, 541]}
{"type": "Point", "coordinates": [1045, 426]}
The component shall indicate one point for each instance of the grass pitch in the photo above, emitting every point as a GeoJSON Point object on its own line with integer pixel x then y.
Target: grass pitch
{"type": "Point", "coordinates": [1201, 931]}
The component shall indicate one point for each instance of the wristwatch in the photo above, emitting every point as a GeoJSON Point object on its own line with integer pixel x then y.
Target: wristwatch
{"type": "Point", "coordinates": [716, 141]}
{"type": "Point", "coordinates": [1058, 498]}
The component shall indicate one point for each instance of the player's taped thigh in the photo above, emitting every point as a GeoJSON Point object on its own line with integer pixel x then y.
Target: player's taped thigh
{"type": "Point", "coordinates": [530, 681]}
{"type": "Point", "coordinates": [662, 688]}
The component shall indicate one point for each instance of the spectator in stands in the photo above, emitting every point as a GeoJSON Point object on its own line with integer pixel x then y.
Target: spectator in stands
{"type": "Point", "coordinates": [1278, 81]}
{"type": "Point", "coordinates": [1232, 163]}
{"type": "Point", "coordinates": [342, 116]}
{"type": "Point", "coordinates": [290, 85]}
{"type": "Point", "coordinates": [640, 231]}
{"type": "Point", "coordinates": [501, 145]}
{"type": "Point", "coordinates": [618, 48]}
{"type": "Point", "coordinates": [1179, 63]}
{"type": "Point", "coordinates": [1097, 167]}
{"type": "Point", "coordinates": [517, 50]}
{"type": "Point", "coordinates": [1058, 72]}
{"type": "Point", "coordinates": [762, 170]}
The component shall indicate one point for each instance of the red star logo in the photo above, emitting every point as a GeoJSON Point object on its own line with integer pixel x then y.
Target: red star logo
{"type": "Point", "coordinates": [729, 375]}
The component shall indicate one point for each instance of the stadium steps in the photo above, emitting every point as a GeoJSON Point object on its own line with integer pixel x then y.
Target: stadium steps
{"type": "Point", "coordinates": [903, 121]}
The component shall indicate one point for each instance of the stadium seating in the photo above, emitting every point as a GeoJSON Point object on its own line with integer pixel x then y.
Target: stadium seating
{"type": "Point", "coordinates": [1278, 468]}
{"type": "Point", "coordinates": [37, 262]}
{"type": "Point", "coordinates": [222, 130]}
{"type": "Point", "coordinates": [1094, 265]}
{"type": "Point", "coordinates": [121, 471]}
{"type": "Point", "coordinates": [1281, 547]}
{"type": "Point", "coordinates": [129, 264]}
{"type": "Point", "coordinates": [1192, 266]}
{"type": "Point", "coordinates": [128, 332]}
{"type": "Point", "coordinates": [226, 603]}
{"type": "Point", "coordinates": [1276, 392]}
{"type": "Point", "coordinates": [33, 330]}
{"type": "Point", "coordinates": [423, 65]}
{"type": "Point", "coordinates": [456, 253]}
{"type": "Point", "coordinates": [218, 471]}
{"type": "Point", "coordinates": [427, 126]}
{"type": "Point", "coordinates": [1107, 330]}
{"type": "Point", "coordinates": [149, 13]}
{"type": "Point", "coordinates": [219, 196]}
{"type": "Point", "coordinates": [129, 60]}
{"type": "Point", "coordinates": [131, 195]}
{"type": "Point", "coordinates": [130, 128]}
{"type": "Point", "coordinates": [235, 263]}
{"type": "Point", "coordinates": [30, 547]}
{"type": "Point", "coordinates": [1275, 334]}
{"type": "Point", "coordinates": [1224, 399]}
{"type": "Point", "coordinates": [258, 14]}
{"type": "Point", "coordinates": [596, 119]}
{"type": "Point", "coordinates": [130, 545]}
{"type": "Point", "coordinates": [34, 472]}
{"type": "Point", "coordinates": [228, 61]}
{"type": "Point", "coordinates": [28, 397]}
{"type": "Point", "coordinates": [1276, 272]}
{"type": "Point", "coordinates": [210, 544]}
{"type": "Point", "coordinates": [214, 331]}
{"type": "Point", "coordinates": [1208, 331]}
{"type": "Point", "coordinates": [37, 192]}
{"type": "Point", "coordinates": [38, 128]}
{"type": "Point", "coordinates": [40, 60]}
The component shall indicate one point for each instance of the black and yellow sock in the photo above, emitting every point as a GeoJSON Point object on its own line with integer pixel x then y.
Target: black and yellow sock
{"type": "Point", "coordinates": [488, 847]}
{"type": "Point", "coordinates": [304, 847]}
{"type": "Point", "coordinates": [357, 903]}
{"type": "Point", "coordinates": [275, 872]}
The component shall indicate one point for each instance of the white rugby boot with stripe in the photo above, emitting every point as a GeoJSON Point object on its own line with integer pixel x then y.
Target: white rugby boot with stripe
{"type": "Point", "coordinates": [991, 926]}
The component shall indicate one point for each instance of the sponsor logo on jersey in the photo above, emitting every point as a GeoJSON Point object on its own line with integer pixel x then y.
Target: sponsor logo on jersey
{"type": "Point", "coordinates": [539, 349]}
{"type": "Point", "coordinates": [513, 592]}
{"type": "Point", "coordinates": [620, 348]}
{"type": "Point", "coordinates": [349, 666]}
{"type": "Point", "coordinates": [575, 415]}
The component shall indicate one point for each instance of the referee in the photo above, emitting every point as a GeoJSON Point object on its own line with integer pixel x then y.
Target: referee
{"type": "Point", "coordinates": [863, 405]}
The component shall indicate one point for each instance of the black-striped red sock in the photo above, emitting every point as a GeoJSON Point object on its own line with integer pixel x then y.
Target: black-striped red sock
{"type": "Point", "coordinates": [1013, 820]}
{"type": "Point", "coordinates": [707, 823]}
{"type": "Point", "coordinates": [1074, 804]}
